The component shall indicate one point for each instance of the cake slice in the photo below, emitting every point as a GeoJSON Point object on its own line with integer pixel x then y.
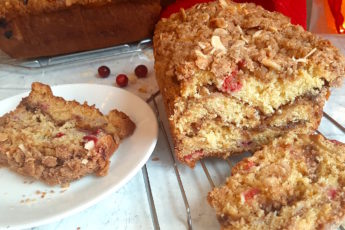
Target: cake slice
{"type": "Point", "coordinates": [58, 141]}
{"type": "Point", "coordinates": [296, 182]}
{"type": "Point", "coordinates": [235, 76]}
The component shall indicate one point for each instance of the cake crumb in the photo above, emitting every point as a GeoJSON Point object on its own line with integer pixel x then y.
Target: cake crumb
{"type": "Point", "coordinates": [38, 192]}
{"type": "Point", "coordinates": [132, 79]}
{"type": "Point", "coordinates": [43, 194]}
{"type": "Point", "coordinates": [155, 159]}
{"type": "Point", "coordinates": [143, 89]}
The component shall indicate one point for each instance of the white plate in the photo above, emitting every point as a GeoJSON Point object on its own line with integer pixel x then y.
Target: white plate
{"type": "Point", "coordinates": [21, 205]}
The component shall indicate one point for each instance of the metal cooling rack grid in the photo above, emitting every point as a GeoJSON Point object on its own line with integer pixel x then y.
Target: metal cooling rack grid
{"type": "Point", "coordinates": [153, 101]}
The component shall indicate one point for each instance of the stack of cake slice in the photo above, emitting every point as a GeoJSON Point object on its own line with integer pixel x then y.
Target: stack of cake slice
{"type": "Point", "coordinates": [235, 76]}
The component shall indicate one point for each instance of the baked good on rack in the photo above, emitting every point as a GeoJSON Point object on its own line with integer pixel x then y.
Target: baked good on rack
{"type": "Point", "coordinates": [296, 182]}
{"type": "Point", "coordinates": [235, 76]}
{"type": "Point", "coordinates": [58, 141]}
{"type": "Point", "coordinates": [39, 28]}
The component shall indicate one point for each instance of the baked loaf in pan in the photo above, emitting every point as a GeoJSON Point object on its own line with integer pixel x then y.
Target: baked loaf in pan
{"type": "Point", "coordinates": [36, 28]}
{"type": "Point", "coordinates": [58, 141]}
{"type": "Point", "coordinates": [235, 76]}
{"type": "Point", "coordinates": [296, 182]}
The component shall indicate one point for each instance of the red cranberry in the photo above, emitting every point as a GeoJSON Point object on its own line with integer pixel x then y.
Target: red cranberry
{"type": "Point", "coordinates": [96, 132]}
{"type": "Point", "coordinates": [241, 64]}
{"type": "Point", "coordinates": [249, 194]}
{"type": "Point", "coordinates": [59, 135]}
{"type": "Point", "coordinates": [141, 71]}
{"type": "Point", "coordinates": [103, 71]}
{"type": "Point", "coordinates": [332, 193]}
{"type": "Point", "coordinates": [335, 142]}
{"type": "Point", "coordinates": [90, 138]}
{"type": "Point", "coordinates": [249, 165]}
{"type": "Point", "coordinates": [122, 80]}
{"type": "Point", "coordinates": [231, 84]}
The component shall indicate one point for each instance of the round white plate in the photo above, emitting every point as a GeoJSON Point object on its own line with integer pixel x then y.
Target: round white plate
{"type": "Point", "coordinates": [26, 203]}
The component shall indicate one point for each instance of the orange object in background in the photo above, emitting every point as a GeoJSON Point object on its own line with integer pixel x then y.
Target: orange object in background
{"type": "Point", "coordinates": [336, 13]}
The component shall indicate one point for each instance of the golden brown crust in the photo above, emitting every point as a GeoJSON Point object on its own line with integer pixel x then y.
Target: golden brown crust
{"type": "Point", "coordinates": [58, 141]}
{"type": "Point", "coordinates": [40, 27]}
{"type": "Point", "coordinates": [119, 122]}
{"type": "Point", "coordinates": [296, 182]}
{"type": "Point", "coordinates": [14, 8]}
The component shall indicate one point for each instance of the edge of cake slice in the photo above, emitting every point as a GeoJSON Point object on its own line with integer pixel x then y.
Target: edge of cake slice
{"type": "Point", "coordinates": [296, 182]}
{"type": "Point", "coordinates": [235, 76]}
{"type": "Point", "coordinates": [58, 141]}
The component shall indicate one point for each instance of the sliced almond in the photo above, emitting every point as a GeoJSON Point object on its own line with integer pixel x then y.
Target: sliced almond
{"type": "Point", "coordinates": [223, 4]}
{"type": "Point", "coordinates": [217, 43]}
{"type": "Point", "coordinates": [22, 147]}
{"type": "Point", "coordinates": [202, 45]}
{"type": "Point", "coordinates": [202, 61]}
{"type": "Point", "coordinates": [183, 14]}
{"type": "Point", "coordinates": [218, 23]}
{"type": "Point", "coordinates": [3, 137]}
{"type": "Point", "coordinates": [220, 32]}
{"type": "Point", "coordinates": [271, 64]}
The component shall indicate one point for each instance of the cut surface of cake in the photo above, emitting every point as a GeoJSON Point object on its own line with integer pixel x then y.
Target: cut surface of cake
{"type": "Point", "coordinates": [58, 141]}
{"type": "Point", "coordinates": [296, 182]}
{"type": "Point", "coordinates": [235, 76]}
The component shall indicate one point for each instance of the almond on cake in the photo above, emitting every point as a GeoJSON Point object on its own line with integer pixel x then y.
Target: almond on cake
{"type": "Point", "coordinates": [296, 182]}
{"type": "Point", "coordinates": [58, 141]}
{"type": "Point", "coordinates": [234, 76]}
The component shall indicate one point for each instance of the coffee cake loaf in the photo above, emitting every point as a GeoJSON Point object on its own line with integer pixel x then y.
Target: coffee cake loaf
{"type": "Point", "coordinates": [58, 141]}
{"type": "Point", "coordinates": [235, 76]}
{"type": "Point", "coordinates": [296, 182]}
{"type": "Point", "coordinates": [39, 28]}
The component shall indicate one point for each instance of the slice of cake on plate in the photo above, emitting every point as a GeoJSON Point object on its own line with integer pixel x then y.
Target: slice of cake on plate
{"type": "Point", "coordinates": [296, 182]}
{"type": "Point", "coordinates": [58, 141]}
{"type": "Point", "coordinates": [235, 76]}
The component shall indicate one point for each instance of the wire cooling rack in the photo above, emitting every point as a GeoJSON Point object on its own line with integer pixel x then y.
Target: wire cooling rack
{"type": "Point", "coordinates": [155, 220]}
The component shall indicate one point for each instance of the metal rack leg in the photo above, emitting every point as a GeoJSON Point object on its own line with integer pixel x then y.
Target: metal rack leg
{"type": "Point", "coordinates": [150, 198]}
{"type": "Point", "coordinates": [331, 119]}
{"type": "Point", "coordinates": [207, 173]}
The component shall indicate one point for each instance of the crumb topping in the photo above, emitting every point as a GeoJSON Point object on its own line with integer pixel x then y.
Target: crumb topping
{"type": "Point", "coordinates": [216, 36]}
{"type": "Point", "coordinates": [297, 182]}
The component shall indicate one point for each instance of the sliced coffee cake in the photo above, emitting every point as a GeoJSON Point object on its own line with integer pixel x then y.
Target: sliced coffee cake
{"type": "Point", "coordinates": [235, 76]}
{"type": "Point", "coordinates": [296, 182]}
{"type": "Point", "coordinates": [58, 141]}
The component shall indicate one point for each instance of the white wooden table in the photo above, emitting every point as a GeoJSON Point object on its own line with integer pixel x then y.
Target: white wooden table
{"type": "Point", "coordinates": [129, 207]}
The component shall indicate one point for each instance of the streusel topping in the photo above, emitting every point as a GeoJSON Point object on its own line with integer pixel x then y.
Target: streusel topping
{"type": "Point", "coordinates": [223, 37]}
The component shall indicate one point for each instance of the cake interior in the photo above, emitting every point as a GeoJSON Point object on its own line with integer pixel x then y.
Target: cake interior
{"type": "Point", "coordinates": [211, 121]}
